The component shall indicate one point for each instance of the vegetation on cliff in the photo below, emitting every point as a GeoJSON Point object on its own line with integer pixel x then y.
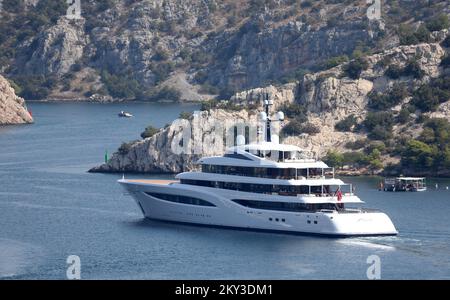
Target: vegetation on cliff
{"type": "Point", "coordinates": [132, 48]}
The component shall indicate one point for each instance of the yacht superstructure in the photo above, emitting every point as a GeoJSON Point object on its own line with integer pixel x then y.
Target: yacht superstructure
{"type": "Point", "coordinates": [261, 186]}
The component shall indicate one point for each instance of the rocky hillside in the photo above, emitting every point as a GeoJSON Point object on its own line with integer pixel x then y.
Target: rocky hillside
{"type": "Point", "coordinates": [388, 111]}
{"type": "Point", "coordinates": [12, 107]}
{"type": "Point", "coordinates": [195, 50]}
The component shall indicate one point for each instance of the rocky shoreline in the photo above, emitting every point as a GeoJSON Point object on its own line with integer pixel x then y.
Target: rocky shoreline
{"type": "Point", "coordinates": [12, 108]}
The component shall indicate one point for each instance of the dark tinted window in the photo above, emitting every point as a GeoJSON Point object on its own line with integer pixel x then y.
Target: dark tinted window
{"type": "Point", "coordinates": [237, 156]}
{"type": "Point", "coordinates": [284, 190]}
{"type": "Point", "coordinates": [275, 173]}
{"type": "Point", "coordinates": [283, 206]}
{"type": "Point", "coordinates": [181, 199]}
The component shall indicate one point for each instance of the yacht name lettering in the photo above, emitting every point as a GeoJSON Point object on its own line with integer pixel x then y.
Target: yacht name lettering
{"type": "Point", "coordinates": [192, 290]}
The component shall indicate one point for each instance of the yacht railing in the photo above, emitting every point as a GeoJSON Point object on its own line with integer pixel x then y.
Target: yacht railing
{"type": "Point", "coordinates": [294, 174]}
{"type": "Point", "coordinates": [350, 211]}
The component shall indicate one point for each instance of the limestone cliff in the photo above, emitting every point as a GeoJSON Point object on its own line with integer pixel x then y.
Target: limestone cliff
{"type": "Point", "coordinates": [161, 153]}
{"type": "Point", "coordinates": [12, 108]}
{"type": "Point", "coordinates": [329, 97]}
{"type": "Point", "coordinates": [225, 44]}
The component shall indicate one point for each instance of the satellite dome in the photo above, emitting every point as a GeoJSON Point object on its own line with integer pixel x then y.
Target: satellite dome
{"type": "Point", "coordinates": [280, 116]}
{"type": "Point", "coordinates": [263, 116]}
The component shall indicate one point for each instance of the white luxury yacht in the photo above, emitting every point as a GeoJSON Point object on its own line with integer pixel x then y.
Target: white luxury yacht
{"type": "Point", "coordinates": [263, 186]}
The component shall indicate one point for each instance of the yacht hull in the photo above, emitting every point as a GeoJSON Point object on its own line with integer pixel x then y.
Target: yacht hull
{"type": "Point", "coordinates": [229, 214]}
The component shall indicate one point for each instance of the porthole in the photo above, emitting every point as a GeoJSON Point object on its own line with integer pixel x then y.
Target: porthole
{"type": "Point", "coordinates": [315, 222]}
{"type": "Point", "coordinates": [309, 222]}
{"type": "Point", "coordinates": [277, 219]}
{"type": "Point", "coordinates": [283, 220]}
{"type": "Point", "coordinates": [270, 219]}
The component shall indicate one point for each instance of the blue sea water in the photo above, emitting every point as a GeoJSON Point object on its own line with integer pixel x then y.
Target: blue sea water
{"type": "Point", "coordinates": [50, 208]}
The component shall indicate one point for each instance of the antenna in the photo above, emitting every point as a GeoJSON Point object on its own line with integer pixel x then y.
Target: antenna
{"type": "Point", "coordinates": [265, 117]}
{"type": "Point", "coordinates": [267, 104]}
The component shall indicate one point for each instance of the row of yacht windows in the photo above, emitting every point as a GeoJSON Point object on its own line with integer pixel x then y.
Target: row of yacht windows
{"type": "Point", "coordinates": [266, 205]}
{"type": "Point", "coordinates": [274, 173]}
{"type": "Point", "coordinates": [285, 206]}
{"type": "Point", "coordinates": [180, 199]}
{"type": "Point", "coordinates": [278, 156]}
{"type": "Point", "coordinates": [285, 190]}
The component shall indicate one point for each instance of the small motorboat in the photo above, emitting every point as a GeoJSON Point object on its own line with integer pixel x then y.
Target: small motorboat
{"type": "Point", "coordinates": [124, 114]}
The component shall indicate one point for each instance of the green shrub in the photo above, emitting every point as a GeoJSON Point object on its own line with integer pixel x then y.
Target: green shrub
{"type": "Point", "coordinates": [306, 4]}
{"type": "Point", "coordinates": [162, 71]}
{"type": "Point", "coordinates": [125, 148]}
{"type": "Point", "coordinates": [446, 42]}
{"type": "Point", "coordinates": [13, 6]}
{"type": "Point", "coordinates": [295, 111]}
{"type": "Point", "coordinates": [356, 145]}
{"type": "Point", "coordinates": [408, 36]}
{"type": "Point", "coordinates": [120, 86]}
{"type": "Point", "coordinates": [445, 62]}
{"type": "Point", "coordinates": [161, 54]}
{"type": "Point", "coordinates": [346, 124]}
{"type": "Point", "coordinates": [379, 125]}
{"type": "Point", "coordinates": [165, 93]}
{"type": "Point", "coordinates": [354, 68]}
{"type": "Point", "coordinates": [383, 101]}
{"type": "Point", "coordinates": [35, 87]}
{"type": "Point", "coordinates": [404, 116]}
{"type": "Point", "coordinates": [381, 133]}
{"type": "Point", "coordinates": [379, 146]}
{"type": "Point", "coordinates": [413, 69]}
{"type": "Point", "coordinates": [149, 132]}
{"type": "Point", "coordinates": [310, 129]}
{"type": "Point", "coordinates": [394, 72]}
{"type": "Point", "coordinates": [335, 61]}
{"type": "Point", "coordinates": [355, 159]}
{"type": "Point", "coordinates": [226, 93]}
{"type": "Point", "coordinates": [76, 67]}
{"type": "Point", "coordinates": [334, 159]}
{"type": "Point", "coordinates": [294, 76]}
{"type": "Point", "coordinates": [431, 151]}
{"type": "Point", "coordinates": [332, 22]}
{"type": "Point", "coordinates": [17, 89]}
{"type": "Point", "coordinates": [186, 115]}
{"type": "Point", "coordinates": [428, 96]}
{"type": "Point", "coordinates": [423, 34]}
{"type": "Point", "coordinates": [417, 155]}
{"type": "Point", "coordinates": [440, 129]}
{"type": "Point", "coordinates": [208, 105]}
{"type": "Point", "coordinates": [295, 127]}
{"type": "Point", "coordinates": [439, 23]}
{"type": "Point", "coordinates": [201, 77]}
